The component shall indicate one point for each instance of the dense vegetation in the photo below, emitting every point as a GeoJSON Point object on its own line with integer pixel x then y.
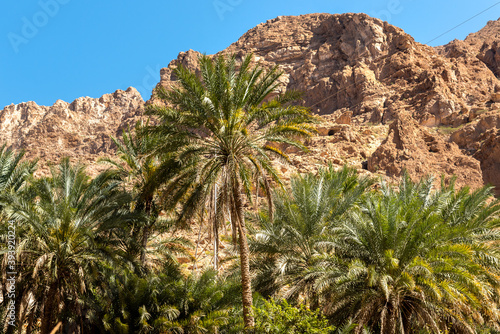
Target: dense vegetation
{"type": "Point", "coordinates": [331, 252]}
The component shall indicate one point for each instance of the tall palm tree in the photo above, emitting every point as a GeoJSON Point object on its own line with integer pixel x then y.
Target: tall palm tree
{"type": "Point", "coordinates": [138, 167]}
{"type": "Point", "coordinates": [287, 247]}
{"type": "Point", "coordinates": [67, 227]}
{"type": "Point", "coordinates": [415, 258]}
{"type": "Point", "coordinates": [217, 132]}
{"type": "Point", "coordinates": [14, 173]}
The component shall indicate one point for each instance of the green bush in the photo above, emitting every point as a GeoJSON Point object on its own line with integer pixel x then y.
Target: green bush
{"type": "Point", "coordinates": [279, 317]}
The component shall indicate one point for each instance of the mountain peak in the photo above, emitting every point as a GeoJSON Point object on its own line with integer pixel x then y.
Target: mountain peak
{"type": "Point", "coordinates": [359, 73]}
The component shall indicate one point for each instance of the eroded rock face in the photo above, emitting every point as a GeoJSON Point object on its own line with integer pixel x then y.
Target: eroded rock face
{"type": "Point", "coordinates": [489, 156]}
{"type": "Point", "coordinates": [359, 73]}
{"type": "Point", "coordinates": [362, 64]}
{"type": "Point", "coordinates": [410, 146]}
{"type": "Point", "coordinates": [80, 129]}
{"type": "Point", "coordinates": [483, 45]}
{"type": "Point", "coordinates": [481, 140]}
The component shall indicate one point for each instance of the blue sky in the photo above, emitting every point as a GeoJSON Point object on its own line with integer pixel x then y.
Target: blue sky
{"type": "Point", "coordinates": [64, 49]}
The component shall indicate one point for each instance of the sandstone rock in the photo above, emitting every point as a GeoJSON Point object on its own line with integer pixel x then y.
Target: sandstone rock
{"type": "Point", "coordinates": [481, 139]}
{"type": "Point", "coordinates": [359, 73]}
{"type": "Point", "coordinates": [495, 97]}
{"type": "Point", "coordinates": [480, 48]}
{"type": "Point", "coordinates": [361, 64]}
{"type": "Point", "coordinates": [411, 147]}
{"type": "Point", "coordinates": [344, 118]}
{"type": "Point", "coordinates": [81, 130]}
{"type": "Point", "coordinates": [489, 156]}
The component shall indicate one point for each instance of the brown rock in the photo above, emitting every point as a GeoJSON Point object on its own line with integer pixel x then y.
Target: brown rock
{"type": "Point", "coordinates": [411, 147]}
{"type": "Point", "coordinates": [489, 156]}
{"type": "Point", "coordinates": [361, 64]}
{"type": "Point", "coordinates": [81, 130]}
{"type": "Point", "coordinates": [482, 47]}
{"type": "Point", "coordinates": [358, 72]}
{"type": "Point", "coordinates": [481, 139]}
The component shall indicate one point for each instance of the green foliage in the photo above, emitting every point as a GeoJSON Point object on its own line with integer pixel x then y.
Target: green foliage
{"type": "Point", "coordinates": [221, 133]}
{"type": "Point", "coordinates": [448, 130]}
{"type": "Point", "coordinates": [164, 302]}
{"type": "Point", "coordinates": [287, 247]}
{"type": "Point", "coordinates": [137, 166]}
{"type": "Point", "coordinates": [95, 255]}
{"type": "Point", "coordinates": [415, 258]}
{"type": "Point", "coordinates": [281, 318]}
{"type": "Point", "coordinates": [217, 136]}
{"type": "Point", "coordinates": [394, 260]}
{"type": "Point", "coordinates": [66, 226]}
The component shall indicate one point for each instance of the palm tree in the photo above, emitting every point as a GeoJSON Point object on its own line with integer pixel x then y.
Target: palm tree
{"type": "Point", "coordinates": [162, 302]}
{"type": "Point", "coordinates": [217, 132]}
{"type": "Point", "coordinates": [415, 258]}
{"type": "Point", "coordinates": [139, 167]}
{"type": "Point", "coordinates": [67, 227]}
{"type": "Point", "coordinates": [287, 248]}
{"type": "Point", "coordinates": [125, 302]}
{"type": "Point", "coordinates": [14, 172]}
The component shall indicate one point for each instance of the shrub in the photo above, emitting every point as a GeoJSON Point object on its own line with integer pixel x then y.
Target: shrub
{"type": "Point", "coordinates": [279, 317]}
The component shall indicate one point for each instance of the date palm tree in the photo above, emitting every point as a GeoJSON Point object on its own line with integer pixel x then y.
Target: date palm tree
{"type": "Point", "coordinates": [399, 260]}
{"type": "Point", "coordinates": [138, 167]}
{"type": "Point", "coordinates": [413, 258]}
{"type": "Point", "coordinates": [68, 225]}
{"type": "Point", "coordinates": [288, 247]}
{"type": "Point", "coordinates": [14, 173]}
{"type": "Point", "coordinates": [162, 302]}
{"type": "Point", "coordinates": [217, 132]}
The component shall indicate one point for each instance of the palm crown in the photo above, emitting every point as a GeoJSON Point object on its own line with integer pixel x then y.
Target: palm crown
{"type": "Point", "coordinates": [218, 134]}
{"type": "Point", "coordinates": [67, 225]}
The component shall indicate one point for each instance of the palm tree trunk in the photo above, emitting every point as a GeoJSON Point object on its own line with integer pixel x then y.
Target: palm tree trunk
{"type": "Point", "coordinates": [49, 309]}
{"type": "Point", "coordinates": [216, 247]}
{"type": "Point", "coordinates": [197, 245]}
{"type": "Point", "coordinates": [246, 282]}
{"type": "Point", "coordinates": [216, 232]}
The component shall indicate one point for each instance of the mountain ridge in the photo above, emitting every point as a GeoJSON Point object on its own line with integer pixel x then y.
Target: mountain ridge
{"type": "Point", "coordinates": [359, 73]}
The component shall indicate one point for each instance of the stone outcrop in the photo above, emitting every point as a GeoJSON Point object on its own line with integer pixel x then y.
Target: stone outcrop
{"type": "Point", "coordinates": [481, 140]}
{"type": "Point", "coordinates": [361, 64]}
{"type": "Point", "coordinates": [483, 45]}
{"type": "Point", "coordinates": [361, 71]}
{"type": "Point", "coordinates": [81, 129]}
{"type": "Point", "coordinates": [412, 147]}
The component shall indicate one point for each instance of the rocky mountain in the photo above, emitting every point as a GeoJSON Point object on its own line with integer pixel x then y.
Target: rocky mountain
{"type": "Point", "coordinates": [483, 45]}
{"type": "Point", "coordinates": [365, 73]}
{"type": "Point", "coordinates": [81, 129]}
{"type": "Point", "coordinates": [388, 102]}
{"type": "Point", "coordinates": [480, 137]}
{"type": "Point", "coordinates": [355, 62]}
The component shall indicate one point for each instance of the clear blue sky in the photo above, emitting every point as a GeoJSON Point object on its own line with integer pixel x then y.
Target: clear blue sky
{"type": "Point", "coordinates": [64, 49]}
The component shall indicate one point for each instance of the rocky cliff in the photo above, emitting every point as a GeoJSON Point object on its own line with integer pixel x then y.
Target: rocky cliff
{"type": "Point", "coordinates": [388, 102]}
{"type": "Point", "coordinates": [480, 136]}
{"type": "Point", "coordinates": [483, 46]}
{"type": "Point", "coordinates": [367, 73]}
{"type": "Point", "coordinates": [81, 129]}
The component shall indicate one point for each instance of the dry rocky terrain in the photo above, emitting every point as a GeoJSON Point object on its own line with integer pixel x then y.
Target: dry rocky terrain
{"type": "Point", "coordinates": [387, 102]}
